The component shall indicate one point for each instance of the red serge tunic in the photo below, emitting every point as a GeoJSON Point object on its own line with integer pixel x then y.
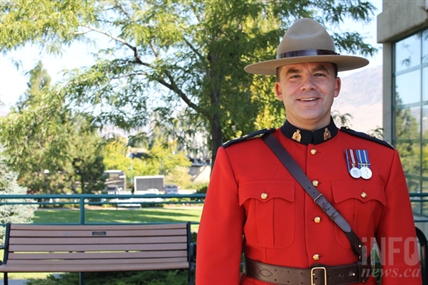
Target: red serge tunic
{"type": "Point", "coordinates": [253, 205]}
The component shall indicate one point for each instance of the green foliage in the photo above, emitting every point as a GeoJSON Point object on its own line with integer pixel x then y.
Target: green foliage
{"type": "Point", "coordinates": [158, 277]}
{"type": "Point", "coordinates": [180, 176]}
{"type": "Point", "coordinates": [341, 120]}
{"type": "Point", "coordinates": [201, 188]}
{"type": "Point", "coordinates": [159, 158]}
{"type": "Point", "coordinates": [51, 147]}
{"type": "Point", "coordinates": [115, 158]}
{"type": "Point", "coordinates": [187, 56]}
{"type": "Point", "coordinates": [13, 213]}
{"type": "Point", "coordinates": [407, 135]}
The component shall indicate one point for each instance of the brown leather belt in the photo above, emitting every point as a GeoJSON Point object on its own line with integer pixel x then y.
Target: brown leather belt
{"type": "Point", "coordinates": [318, 275]}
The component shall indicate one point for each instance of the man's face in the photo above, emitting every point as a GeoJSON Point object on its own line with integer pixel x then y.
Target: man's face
{"type": "Point", "coordinates": [307, 91]}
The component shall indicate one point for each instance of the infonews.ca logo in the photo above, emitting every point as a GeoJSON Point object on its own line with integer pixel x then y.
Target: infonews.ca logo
{"type": "Point", "coordinates": [397, 257]}
{"type": "Point", "coordinates": [392, 272]}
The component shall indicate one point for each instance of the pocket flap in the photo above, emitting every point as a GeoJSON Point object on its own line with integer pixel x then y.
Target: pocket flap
{"type": "Point", "coordinates": [363, 191]}
{"type": "Point", "coordinates": [265, 191]}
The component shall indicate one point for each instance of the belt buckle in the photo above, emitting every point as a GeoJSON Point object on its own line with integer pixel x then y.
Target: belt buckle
{"type": "Point", "coordinates": [313, 273]}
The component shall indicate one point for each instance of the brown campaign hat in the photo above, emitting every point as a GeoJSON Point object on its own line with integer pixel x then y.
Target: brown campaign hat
{"type": "Point", "coordinates": [306, 41]}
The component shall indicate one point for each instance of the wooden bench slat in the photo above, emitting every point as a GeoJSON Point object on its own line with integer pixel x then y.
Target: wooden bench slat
{"type": "Point", "coordinates": [96, 227]}
{"type": "Point", "coordinates": [96, 247]}
{"type": "Point", "coordinates": [89, 262]}
{"type": "Point", "coordinates": [95, 255]}
{"type": "Point", "coordinates": [99, 240]}
{"type": "Point", "coordinates": [94, 267]}
{"type": "Point", "coordinates": [97, 232]}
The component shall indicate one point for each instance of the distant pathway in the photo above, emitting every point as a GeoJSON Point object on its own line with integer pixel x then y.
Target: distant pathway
{"type": "Point", "coordinates": [17, 281]}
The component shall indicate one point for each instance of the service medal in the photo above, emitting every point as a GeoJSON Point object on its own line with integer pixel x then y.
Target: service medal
{"type": "Point", "coordinates": [352, 165]}
{"type": "Point", "coordinates": [355, 172]}
{"type": "Point", "coordinates": [364, 163]}
{"type": "Point", "coordinates": [366, 172]}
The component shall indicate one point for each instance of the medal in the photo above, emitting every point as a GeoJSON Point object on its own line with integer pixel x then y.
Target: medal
{"type": "Point", "coordinates": [366, 173]}
{"type": "Point", "coordinates": [355, 172]}
{"type": "Point", "coordinates": [363, 160]}
{"type": "Point", "coordinates": [353, 169]}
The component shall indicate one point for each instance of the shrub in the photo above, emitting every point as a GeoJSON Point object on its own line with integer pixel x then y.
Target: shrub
{"type": "Point", "coordinates": [155, 277]}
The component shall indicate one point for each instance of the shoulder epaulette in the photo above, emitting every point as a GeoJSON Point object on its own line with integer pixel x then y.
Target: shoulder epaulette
{"type": "Point", "coordinates": [252, 135]}
{"type": "Point", "coordinates": [365, 136]}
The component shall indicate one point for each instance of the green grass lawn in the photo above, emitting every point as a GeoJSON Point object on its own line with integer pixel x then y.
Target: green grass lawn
{"type": "Point", "coordinates": [112, 215]}
{"type": "Point", "coordinates": [121, 215]}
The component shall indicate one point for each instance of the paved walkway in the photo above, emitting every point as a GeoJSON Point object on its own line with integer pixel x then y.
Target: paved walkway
{"type": "Point", "coordinates": [17, 281]}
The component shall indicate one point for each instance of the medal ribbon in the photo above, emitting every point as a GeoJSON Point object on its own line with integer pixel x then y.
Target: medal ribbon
{"type": "Point", "coordinates": [366, 158]}
{"type": "Point", "coordinates": [360, 159]}
{"type": "Point", "coordinates": [350, 158]}
{"type": "Point", "coordinates": [363, 158]}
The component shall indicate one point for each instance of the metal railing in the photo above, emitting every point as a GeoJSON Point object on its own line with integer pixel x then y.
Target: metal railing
{"type": "Point", "coordinates": [82, 200]}
{"type": "Point", "coordinates": [420, 206]}
{"type": "Point", "coordinates": [419, 201]}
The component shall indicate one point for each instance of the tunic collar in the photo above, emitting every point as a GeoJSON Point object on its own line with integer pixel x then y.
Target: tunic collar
{"type": "Point", "coordinates": [309, 137]}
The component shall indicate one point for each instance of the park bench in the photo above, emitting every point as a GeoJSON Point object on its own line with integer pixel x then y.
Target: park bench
{"type": "Point", "coordinates": [97, 248]}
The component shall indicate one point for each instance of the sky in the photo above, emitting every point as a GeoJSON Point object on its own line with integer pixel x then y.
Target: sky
{"type": "Point", "coordinates": [13, 81]}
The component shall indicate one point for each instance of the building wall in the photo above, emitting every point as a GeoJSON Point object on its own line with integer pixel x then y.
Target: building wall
{"type": "Point", "coordinates": [397, 20]}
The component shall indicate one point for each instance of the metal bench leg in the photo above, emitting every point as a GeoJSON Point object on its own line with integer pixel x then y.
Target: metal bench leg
{"type": "Point", "coordinates": [5, 279]}
{"type": "Point", "coordinates": [191, 277]}
{"type": "Point", "coordinates": [81, 278]}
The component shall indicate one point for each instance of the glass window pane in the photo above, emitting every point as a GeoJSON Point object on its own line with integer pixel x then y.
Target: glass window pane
{"type": "Point", "coordinates": [425, 123]}
{"type": "Point", "coordinates": [414, 187]}
{"type": "Point", "coordinates": [408, 53]}
{"type": "Point", "coordinates": [425, 165]}
{"type": "Point", "coordinates": [425, 83]}
{"type": "Point", "coordinates": [407, 123]}
{"type": "Point", "coordinates": [425, 47]}
{"type": "Point", "coordinates": [408, 88]}
{"type": "Point", "coordinates": [410, 155]}
{"type": "Point", "coordinates": [423, 207]}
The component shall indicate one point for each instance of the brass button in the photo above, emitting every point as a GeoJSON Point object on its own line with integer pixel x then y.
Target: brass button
{"type": "Point", "coordinates": [317, 220]}
{"type": "Point", "coordinates": [364, 195]}
{"type": "Point", "coordinates": [313, 151]}
{"type": "Point", "coordinates": [315, 183]}
{"type": "Point", "coordinates": [316, 257]}
{"type": "Point", "coordinates": [264, 196]}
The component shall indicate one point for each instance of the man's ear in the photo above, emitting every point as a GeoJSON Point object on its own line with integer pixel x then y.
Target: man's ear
{"type": "Point", "coordinates": [337, 87]}
{"type": "Point", "coordinates": [278, 90]}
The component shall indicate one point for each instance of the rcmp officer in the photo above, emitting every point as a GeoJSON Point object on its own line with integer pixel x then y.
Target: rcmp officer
{"type": "Point", "coordinates": [256, 207]}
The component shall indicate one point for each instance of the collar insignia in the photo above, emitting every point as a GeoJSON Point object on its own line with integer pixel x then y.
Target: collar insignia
{"type": "Point", "coordinates": [327, 134]}
{"type": "Point", "coordinates": [297, 136]}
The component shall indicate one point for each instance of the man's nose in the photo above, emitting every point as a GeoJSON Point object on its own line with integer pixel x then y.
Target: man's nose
{"type": "Point", "coordinates": [308, 83]}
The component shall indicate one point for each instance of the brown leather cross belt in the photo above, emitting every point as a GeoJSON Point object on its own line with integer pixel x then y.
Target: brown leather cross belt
{"type": "Point", "coordinates": [318, 275]}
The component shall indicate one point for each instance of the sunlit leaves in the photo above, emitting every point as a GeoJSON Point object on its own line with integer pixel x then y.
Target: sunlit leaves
{"type": "Point", "coordinates": [182, 55]}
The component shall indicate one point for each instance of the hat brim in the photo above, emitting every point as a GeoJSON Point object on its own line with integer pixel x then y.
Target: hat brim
{"type": "Point", "coordinates": [343, 62]}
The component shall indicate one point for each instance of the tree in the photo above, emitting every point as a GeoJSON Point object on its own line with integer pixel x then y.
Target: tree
{"type": "Point", "coordinates": [406, 136]}
{"type": "Point", "coordinates": [153, 157]}
{"type": "Point", "coordinates": [13, 213]}
{"type": "Point", "coordinates": [49, 145]}
{"type": "Point", "coordinates": [185, 55]}
{"type": "Point", "coordinates": [87, 160]}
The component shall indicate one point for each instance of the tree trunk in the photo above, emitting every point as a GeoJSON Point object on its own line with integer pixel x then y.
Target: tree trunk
{"type": "Point", "coordinates": [216, 137]}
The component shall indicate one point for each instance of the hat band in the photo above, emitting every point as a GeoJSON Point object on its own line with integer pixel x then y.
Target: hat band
{"type": "Point", "coordinates": [307, 52]}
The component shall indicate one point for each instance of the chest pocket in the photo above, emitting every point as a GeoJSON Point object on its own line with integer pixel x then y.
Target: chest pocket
{"type": "Point", "coordinates": [360, 203]}
{"type": "Point", "coordinates": [270, 211]}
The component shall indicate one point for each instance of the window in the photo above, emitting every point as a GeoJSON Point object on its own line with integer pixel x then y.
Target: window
{"type": "Point", "coordinates": [410, 111]}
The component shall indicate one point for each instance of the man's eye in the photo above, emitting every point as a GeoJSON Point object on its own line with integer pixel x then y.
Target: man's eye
{"type": "Point", "coordinates": [320, 74]}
